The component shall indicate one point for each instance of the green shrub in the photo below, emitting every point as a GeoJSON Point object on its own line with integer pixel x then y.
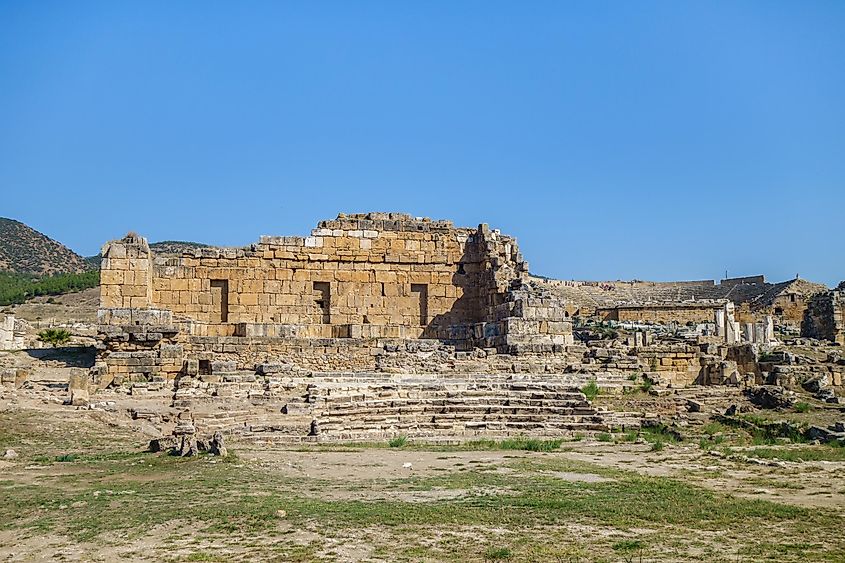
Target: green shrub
{"type": "Point", "coordinates": [397, 441]}
{"type": "Point", "coordinates": [712, 428]}
{"type": "Point", "coordinates": [497, 554]}
{"type": "Point", "coordinates": [803, 407]}
{"type": "Point", "coordinates": [630, 436]}
{"type": "Point", "coordinates": [646, 385]}
{"type": "Point", "coordinates": [628, 545]}
{"type": "Point", "coordinates": [590, 390]}
{"type": "Point", "coordinates": [66, 457]}
{"type": "Point", "coordinates": [604, 437]}
{"type": "Point", "coordinates": [54, 336]}
{"type": "Point", "coordinates": [657, 445]}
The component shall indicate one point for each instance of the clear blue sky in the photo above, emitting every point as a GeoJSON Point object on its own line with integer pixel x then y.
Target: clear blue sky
{"type": "Point", "coordinates": [615, 140]}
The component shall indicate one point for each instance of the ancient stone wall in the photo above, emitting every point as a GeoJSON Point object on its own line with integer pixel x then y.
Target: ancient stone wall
{"type": "Point", "coordinates": [382, 270]}
{"type": "Point", "coordinates": [324, 301]}
{"type": "Point", "coordinates": [825, 316]}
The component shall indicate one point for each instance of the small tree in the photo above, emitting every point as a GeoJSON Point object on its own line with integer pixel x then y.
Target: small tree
{"type": "Point", "coordinates": [54, 336]}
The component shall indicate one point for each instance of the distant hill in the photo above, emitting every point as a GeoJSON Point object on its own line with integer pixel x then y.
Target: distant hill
{"type": "Point", "coordinates": [23, 250]}
{"type": "Point", "coordinates": [165, 247]}
{"type": "Point", "coordinates": [176, 247]}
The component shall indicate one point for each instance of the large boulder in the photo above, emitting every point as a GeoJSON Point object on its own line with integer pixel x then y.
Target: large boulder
{"type": "Point", "coordinates": [186, 434]}
{"type": "Point", "coordinates": [817, 383]}
{"type": "Point", "coordinates": [771, 397]}
{"type": "Point", "coordinates": [163, 444]}
{"type": "Point", "coordinates": [218, 448]}
{"type": "Point", "coordinates": [77, 387]}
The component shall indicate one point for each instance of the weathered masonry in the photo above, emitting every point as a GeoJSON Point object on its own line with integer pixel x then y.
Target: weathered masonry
{"type": "Point", "coordinates": [825, 316]}
{"type": "Point", "coordinates": [355, 280]}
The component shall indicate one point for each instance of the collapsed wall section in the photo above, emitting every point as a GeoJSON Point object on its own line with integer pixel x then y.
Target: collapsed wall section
{"type": "Point", "coordinates": [825, 316]}
{"type": "Point", "coordinates": [12, 333]}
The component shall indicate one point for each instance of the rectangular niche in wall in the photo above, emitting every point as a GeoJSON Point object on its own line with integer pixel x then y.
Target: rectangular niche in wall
{"type": "Point", "coordinates": [420, 291]}
{"type": "Point", "coordinates": [220, 301]}
{"type": "Point", "coordinates": [323, 300]}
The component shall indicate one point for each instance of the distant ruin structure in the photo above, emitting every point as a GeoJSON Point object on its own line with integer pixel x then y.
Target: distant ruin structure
{"type": "Point", "coordinates": [688, 302]}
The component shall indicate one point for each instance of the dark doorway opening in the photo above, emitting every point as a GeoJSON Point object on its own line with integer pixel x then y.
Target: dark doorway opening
{"type": "Point", "coordinates": [220, 300]}
{"type": "Point", "coordinates": [323, 300]}
{"type": "Point", "coordinates": [420, 290]}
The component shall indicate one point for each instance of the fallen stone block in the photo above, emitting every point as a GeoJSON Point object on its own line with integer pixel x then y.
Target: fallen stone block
{"type": "Point", "coordinates": [163, 444]}
{"type": "Point", "coordinates": [771, 397]}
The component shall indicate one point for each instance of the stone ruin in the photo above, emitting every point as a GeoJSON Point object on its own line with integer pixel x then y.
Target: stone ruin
{"type": "Point", "coordinates": [12, 333]}
{"type": "Point", "coordinates": [382, 324]}
{"type": "Point", "coordinates": [330, 321]}
{"type": "Point", "coordinates": [825, 316]}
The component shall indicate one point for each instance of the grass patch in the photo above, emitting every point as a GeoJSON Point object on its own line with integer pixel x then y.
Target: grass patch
{"type": "Point", "coordinates": [397, 442]}
{"type": "Point", "coordinates": [630, 436]}
{"type": "Point", "coordinates": [662, 434]}
{"type": "Point", "coordinates": [822, 452]}
{"type": "Point", "coordinates": [802, 407]}
{"type": "Point", "coordinates": [497, 554]}
{"type": "Point", "coordinates": [530, 444]}
{"type": "Point", "coordinates": [590, 390]}
{"type": "Point", "coordinates": [604, 437]}
{"type": "Point", "coordinates": [118, 497]}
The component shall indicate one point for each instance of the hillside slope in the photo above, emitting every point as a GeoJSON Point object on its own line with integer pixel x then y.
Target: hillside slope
{"type": "Point", "coordinates": [175, 247]}
{"type": "Point", "coordinates": [24, 250]}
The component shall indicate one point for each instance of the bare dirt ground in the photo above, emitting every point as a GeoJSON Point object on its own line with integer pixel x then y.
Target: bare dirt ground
{"type": "Point", "coordinates": [82, 489]}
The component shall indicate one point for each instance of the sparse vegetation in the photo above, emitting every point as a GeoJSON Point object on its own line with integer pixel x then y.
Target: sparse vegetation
{"type": "Point", "coordinates": [630, 550]}
{"type": "Point", "coordinates": [824, 452]}
{"type": "Point", "coordinates": [660, 434]}
{"type": "Point", "coordinates": [397, 442]}
{"type": "Point", "coordinates": [497, 554]}
{"type": "Point", "coordinates": [492, 511]}
{"type": "Point", "coordinates": [802, 407]}
{"type": "Point", "coordinates": [23, 250]}
{"type": "Point", "coordinates": [590, 390]}
{"type": "Point", "coordinates": [530, 444]}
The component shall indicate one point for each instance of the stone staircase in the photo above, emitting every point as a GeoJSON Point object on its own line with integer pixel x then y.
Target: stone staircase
{"type": "Point", "coordinates": [337, 406]}
{"type": "Point", "coordinates": [711, 398]}
{"type": "Point", "coordinates": [423, 407]}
